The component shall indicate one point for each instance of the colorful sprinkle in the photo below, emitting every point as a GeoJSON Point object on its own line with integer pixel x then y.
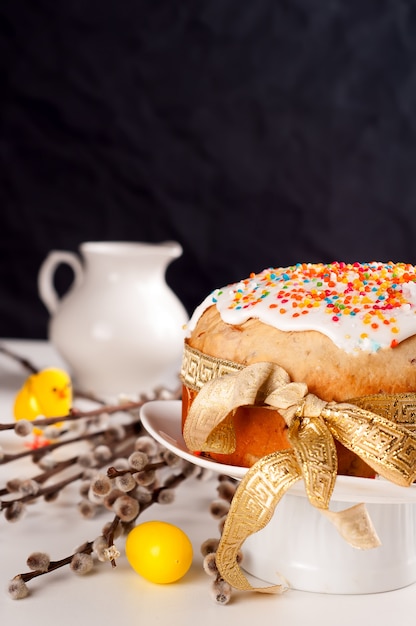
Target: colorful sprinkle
{"type": "Point", "coordinates": [357, 305]}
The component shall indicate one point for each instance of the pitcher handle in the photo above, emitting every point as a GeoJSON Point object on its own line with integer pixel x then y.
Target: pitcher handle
{"type": "Point", "coordinates": [46, 288]}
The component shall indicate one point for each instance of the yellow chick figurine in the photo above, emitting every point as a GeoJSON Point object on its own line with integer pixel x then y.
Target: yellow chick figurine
{"type": "Point", "coordinates": [47, 393]}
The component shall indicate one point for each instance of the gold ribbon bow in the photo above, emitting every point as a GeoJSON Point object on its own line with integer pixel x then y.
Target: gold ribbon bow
{"type": "Point", "coordinates": [389, 448]}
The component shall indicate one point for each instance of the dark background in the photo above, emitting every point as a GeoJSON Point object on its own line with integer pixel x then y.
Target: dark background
{"type": "Point", "coordinates": [254, 132]}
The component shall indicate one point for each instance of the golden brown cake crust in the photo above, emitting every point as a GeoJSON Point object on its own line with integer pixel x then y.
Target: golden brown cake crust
{"type": "Point", "coordinates": [310, 357]}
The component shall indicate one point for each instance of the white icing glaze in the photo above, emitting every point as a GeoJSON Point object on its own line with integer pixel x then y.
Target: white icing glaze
{"type": "Point", "coordinates": [366, 306]}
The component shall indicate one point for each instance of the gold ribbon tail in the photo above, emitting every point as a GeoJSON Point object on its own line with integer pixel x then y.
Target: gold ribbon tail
{"type": "Point", "coordinates": [316, 453]}
{"type": "Point", "coordinates": [252, 507]}
{"type": "Point", "coordinates": [355, 526]}
{"type": "Point", "coordinates": [317, 456]}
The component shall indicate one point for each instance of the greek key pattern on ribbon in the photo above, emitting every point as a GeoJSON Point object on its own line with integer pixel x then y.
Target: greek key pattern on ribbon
{"type": "Point", "coordinates": [399, 407]}
{"type": "Point", "coordinates": [388, 447]}
{"type": "Point", "coordinates": [198, 368]}
{"type": "Point", "coordinates": [253, 506]}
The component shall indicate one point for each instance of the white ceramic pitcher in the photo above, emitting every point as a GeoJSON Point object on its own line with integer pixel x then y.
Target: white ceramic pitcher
{"type": "Point", "coordinates": [119, 327]}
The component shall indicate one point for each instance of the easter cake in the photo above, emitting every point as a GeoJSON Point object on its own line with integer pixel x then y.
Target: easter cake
{"type": "Point", "coordinates": [345, 330]}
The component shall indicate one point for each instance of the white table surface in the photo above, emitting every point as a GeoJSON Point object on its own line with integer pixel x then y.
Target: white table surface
{"type": "Point", "coordinates": [119, 596]}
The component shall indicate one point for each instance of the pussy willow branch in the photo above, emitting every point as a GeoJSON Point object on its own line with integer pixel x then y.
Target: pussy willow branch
{"type": "Point", "coordinates": [76, 414]}
{"type": "Point", "coordinates": [25, 363]}
{"type": "Point", "coordinates": [113, 472]}
{"type": "Point", "coordinates": [109, 536]}
{"type": "Point", "coordinates": [117, 448]}
{"type": "Point", "coordinates": [4, 504]}
{"type": "Point", "coordinates": [46, 475]}
{"type": "Point", "coordinates": [41, 478]}
{"type": "Point", "coordinates": [37, 454]}
{"type": "Point", "coordinates": [86, 548]}
{"type": "Point", "coordinates": [171, 482]}
{"type": "Point", "coordinates": [118, 451]}
{"type": "Point", "coordinates": [30, 367]}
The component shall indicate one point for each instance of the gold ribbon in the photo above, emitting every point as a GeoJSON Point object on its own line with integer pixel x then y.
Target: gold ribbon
{"type": "Point", "coordinates": [387, 446]}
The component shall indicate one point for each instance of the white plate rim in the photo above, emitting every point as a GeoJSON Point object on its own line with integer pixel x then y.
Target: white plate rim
{"type": "Point", "coordinates": [162, 420]}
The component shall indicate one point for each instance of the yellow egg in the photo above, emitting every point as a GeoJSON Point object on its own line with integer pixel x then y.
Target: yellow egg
{"type": "Point", "coordinates": [158, 551]}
